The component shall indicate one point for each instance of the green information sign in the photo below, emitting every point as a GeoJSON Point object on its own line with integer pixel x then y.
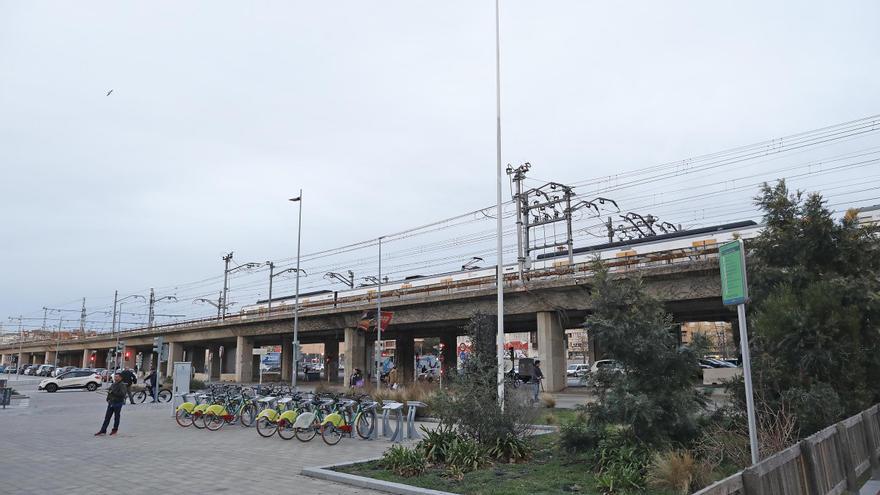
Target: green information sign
{"type": "Point", "coordinates": [734, 288]}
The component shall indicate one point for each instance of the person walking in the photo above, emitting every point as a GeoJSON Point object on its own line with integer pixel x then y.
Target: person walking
{"type": "Point", "coordinates": [537, 376]}
{"type": "Point", "coordinates": [128, 379]}
{"type": "Point", "coordinates": [115, 400]}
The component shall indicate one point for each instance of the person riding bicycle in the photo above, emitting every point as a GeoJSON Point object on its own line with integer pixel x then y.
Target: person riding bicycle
{"type": "Point", "coordinates": [128, 379]}
{"type": "Point", "coordinates": [150, 383]}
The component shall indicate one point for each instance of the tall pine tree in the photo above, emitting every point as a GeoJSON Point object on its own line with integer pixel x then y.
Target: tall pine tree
{"type": "Point", "coordinates": [815, 286]}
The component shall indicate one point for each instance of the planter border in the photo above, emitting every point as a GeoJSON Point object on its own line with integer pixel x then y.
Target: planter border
{"type": "Point", "coordinates": [328, 473]}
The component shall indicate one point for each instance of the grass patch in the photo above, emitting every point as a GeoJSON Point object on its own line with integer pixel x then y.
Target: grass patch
{"type": "Point", "coordinates": [556, 416]}
{"type": "Point", "coordinates": [549, 472]}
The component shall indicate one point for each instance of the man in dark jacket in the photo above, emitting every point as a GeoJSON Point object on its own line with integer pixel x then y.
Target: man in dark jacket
{"type": "Point", "coordinates": [128, 379]}
{"type": "Point", "coordinates": [115, 399]}
{"type": "Point", "coordinates": [537, 376]}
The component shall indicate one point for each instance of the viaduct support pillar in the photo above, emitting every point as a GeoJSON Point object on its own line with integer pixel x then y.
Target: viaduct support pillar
{"type": "Point", "coordinates": [175, 353]}
{"type": "Point", "coordinates": [36, 358]}
{"type": "Point", "coordinates": [286, 358]}
{"type": "Point", "coordinates": [198, 359]}
{"type": "Point", "coordinates": [450, 353]}
{"type": "Point", "coordinates": [49, 358]}
{"type": "Point", "coordinates": [594, 348]}
{"type": "Point", "coordinates": [405, 354]}
{"type": "Point", "coordinates": [213, 370]}
{"type": "Point", "coordinates": [551, 351]}
{"type": "Point", "coordinates": [227, 364]}
{"type": "Point", "coordinates": [331, 360]}
{"type": "Point", "coordinates": [85, 360]}
{"type": "Point", "coordinates": [354, 353]}
{"type": "Point", "coordinates": [244, 359]}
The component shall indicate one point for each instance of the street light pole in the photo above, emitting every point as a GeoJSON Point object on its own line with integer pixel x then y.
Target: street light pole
{"type": "Point", "coordinates": [379, 320]}
{"type": "Point", "coordinates": [499, 338]}
{"type": "Point", "coordinates": [295, 366]}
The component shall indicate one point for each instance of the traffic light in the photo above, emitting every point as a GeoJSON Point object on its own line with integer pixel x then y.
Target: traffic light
{"type": "Point", "coordinates": [92, 357]}
{"type": "Point", "coordinates": [157, 344]}
{"type": "Point", "coordinates": [127, 354]}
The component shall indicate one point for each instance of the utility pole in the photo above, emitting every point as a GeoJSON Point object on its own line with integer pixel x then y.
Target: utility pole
{"type": "Point", "coordinates": [113, 324]}
{"type": "Point", "coordinates": [150, 311]}
{"type": "Point", "coordinates": [518, 176]}
{"type": "Point", "coordinates": [271, 276]}
{"type": "Point", "coordinates": [226, 260]}
{"type": "Point", "coordinates": [82, 319]}
{"type": "Point", "coordinates": [224, 304]}
{"type": "Point", "coordinates": [45, 314]}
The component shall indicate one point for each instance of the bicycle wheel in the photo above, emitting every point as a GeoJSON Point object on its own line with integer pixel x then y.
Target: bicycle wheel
{"type": "Point", "coordinates": [214, 422]}
{"type": "Point", "coordinates": [199, 421]}
{"type": "Point", "coordinates": [287, 431]}
{"type": "Point", "coordinates": [365, 423]}
{"type": "Point", "coordinates": [183, 418]}
{"type": "Point", "coordinates": [331, 435]}
{"type": "Point", "coordinates": [248, 414]}
{"type": "Point", "coordinates": [164, 395]}
{"type": "Point", "coordinates": [265, 427]}
{"type": "Point", "coordinates": [306, 434]}
{"type": "Point", "coordinates": [140, 397]}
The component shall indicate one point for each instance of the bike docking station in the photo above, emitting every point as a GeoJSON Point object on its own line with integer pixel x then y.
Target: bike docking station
{"type": "Point", "coordinates": [398, 433]}
{"type": "Point", "coordinates": [387, 409]}
{"type": "Point", "coordinates": [413, 406]}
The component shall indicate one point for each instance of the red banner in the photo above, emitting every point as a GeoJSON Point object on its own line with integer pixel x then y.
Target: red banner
{"type": "Point", "coordinates": [368, 320]}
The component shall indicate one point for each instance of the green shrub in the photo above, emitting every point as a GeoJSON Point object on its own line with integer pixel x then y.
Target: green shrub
{"type": "Point", "coordinates": [579, 435]}
{"type": "Point", "coordinates": [511, 449]}
{"type": "Point", "coordinates": [435, 443]}
{"type": "Point", "coordinates": [195, 384]}
{"type": "Point", "coordinates": [466, 455]}
{"type": "Point", "coordinates": [620, 461]}
{"type": "Point", "coordinates": [403, 461]}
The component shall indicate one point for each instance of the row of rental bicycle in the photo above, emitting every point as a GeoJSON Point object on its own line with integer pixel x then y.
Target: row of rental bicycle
{"type": "Point", "coordinates": [281, 410]}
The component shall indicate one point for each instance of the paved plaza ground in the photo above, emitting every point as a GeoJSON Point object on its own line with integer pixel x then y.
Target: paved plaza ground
{"type": "Point", "coordinates": [48, 447]}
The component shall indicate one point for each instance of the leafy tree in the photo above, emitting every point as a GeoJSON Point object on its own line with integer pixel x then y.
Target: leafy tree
{"type": "Point", "coordinates": [655, 394]}
{"type": "Point", "coordinates": [815, 287]}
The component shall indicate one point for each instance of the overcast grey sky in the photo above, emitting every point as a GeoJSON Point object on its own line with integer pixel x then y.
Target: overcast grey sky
{"type": "Point", "coordinates": [382, 112]}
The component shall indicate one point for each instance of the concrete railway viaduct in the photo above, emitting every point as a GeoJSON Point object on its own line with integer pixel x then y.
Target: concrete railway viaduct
{"type": "Point", "coordinates": [690, 289]}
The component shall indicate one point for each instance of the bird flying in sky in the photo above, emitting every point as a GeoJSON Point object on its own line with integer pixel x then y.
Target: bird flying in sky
{"type": "Point", "coordinates": [108, 92]}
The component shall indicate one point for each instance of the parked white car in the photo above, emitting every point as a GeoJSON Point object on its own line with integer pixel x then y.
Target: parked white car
{"type": "Point", "coordinates": [75, 378]}
{"type": "Point", "coordinates": [577, 370]}
{"type": "Point", "coordinates": [606, 364]}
